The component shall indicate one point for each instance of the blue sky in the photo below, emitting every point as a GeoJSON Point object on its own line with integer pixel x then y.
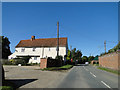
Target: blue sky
{"type": "Point", "coordinates": [86, 24]}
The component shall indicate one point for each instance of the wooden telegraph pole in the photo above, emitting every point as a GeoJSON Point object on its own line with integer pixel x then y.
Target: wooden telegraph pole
{"type": "Point", "coordinates": [57, 38]}
{"type": "Point", "coordinates": [105, 45]}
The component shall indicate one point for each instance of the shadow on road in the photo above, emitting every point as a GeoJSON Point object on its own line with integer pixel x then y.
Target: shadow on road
{"type": "Point", "coordinates": [19, 82]}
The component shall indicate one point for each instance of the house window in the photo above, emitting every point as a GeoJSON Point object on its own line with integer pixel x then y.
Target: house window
{"type": "Point", "coordinates": [23, 49]}
{"type": "Point", "coordinates": [16, 50]}
{"type": "Point", "coordinates": [34, 49]}
{"type": "Point", "coordinates": [49, 48]}
{"type": "Point", "coordinates": [35, 58]}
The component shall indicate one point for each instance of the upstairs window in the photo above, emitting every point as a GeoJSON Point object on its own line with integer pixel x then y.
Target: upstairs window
{"type": "Point", "coordinates": [49, 48]}
{"type": "Point", "coordinates": [16, 50]}
{"type": "Point", "coordinates": [34, 49]}
{"type": "Point", "coordinates": [23, 49]}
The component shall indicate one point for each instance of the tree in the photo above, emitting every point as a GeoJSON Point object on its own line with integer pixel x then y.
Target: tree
{"type": "Point", "coordinates": [84, 59]}
{"type": "Point", "coordinates": [5, 47]}
{"type": "Point", "coordinates": [76, 55]}
{"type": "Point", "coordinates": [69, 55]}
{"type": "Point", "coordinates": [90, 58]}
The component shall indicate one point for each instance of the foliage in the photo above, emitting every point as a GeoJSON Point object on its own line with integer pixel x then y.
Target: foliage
{"type": "Point", "coordinates": [117, 47]}
{"type": "Point", "coordinates": [59, 57]}
{"type": "Point", "coordinates": [90, 58]}
{"type": "Point", "coordinates": [7, 88]}
{"type": "Point", "coordinates": [65, 67]}
{"type": "Point", "coordinates": [5, 47]}
{"type": "Point", "coordinates": [76, 55]}
{"type": "Point", "coordinates": [110, 70]}
{"type": "Point", "coordinates": [85, 59]}
{"type": "Point", "coordinates": [68, 55]}
{"type": "Point", "coordinates": [20, 61]}
{"type": "Point", "coordinates": [14, 62]}
{"type": "Point", "coordinates": [6, 62]}
{"type": "Point", "coordinates": [25, 58]}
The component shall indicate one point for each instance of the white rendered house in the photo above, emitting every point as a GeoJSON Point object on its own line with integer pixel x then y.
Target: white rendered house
{"type": "Point", "coordinates": [40, 48]}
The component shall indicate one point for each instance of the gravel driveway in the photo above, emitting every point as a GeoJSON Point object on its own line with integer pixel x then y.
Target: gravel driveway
{"type": "Point", "coordinates": [30, 77]}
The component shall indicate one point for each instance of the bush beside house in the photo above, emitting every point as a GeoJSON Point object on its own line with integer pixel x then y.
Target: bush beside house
{"type": "Point", "coordinates": [23, 61]}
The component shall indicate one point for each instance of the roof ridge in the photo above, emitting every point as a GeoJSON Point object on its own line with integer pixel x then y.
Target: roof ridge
{"type": "Point", "coordinates": [45, 38]}
{"type": "Point", "coordinates": [42, 41]}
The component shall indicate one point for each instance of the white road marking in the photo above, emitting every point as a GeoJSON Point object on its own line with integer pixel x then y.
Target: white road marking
{"type": "Point", "coordinates": [92, 74]}
{"type": "Point", "coordinates": [105, 84]}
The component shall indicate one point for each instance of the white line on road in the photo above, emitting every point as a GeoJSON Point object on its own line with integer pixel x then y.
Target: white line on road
{"type": "Point", "coordinates": [105, 84]}
{"type": "Point", "coordinates": [92, 74]}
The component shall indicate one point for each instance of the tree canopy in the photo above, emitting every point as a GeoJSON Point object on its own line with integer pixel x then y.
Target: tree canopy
{"type": "Point", "coordinates": [90, 58]}
{"type": "Point", "coordinates": [5, 47]}
{"type": "Point", "coordinates": [117, 47]}
{"type": "Point", "coordinates": [74, 54]}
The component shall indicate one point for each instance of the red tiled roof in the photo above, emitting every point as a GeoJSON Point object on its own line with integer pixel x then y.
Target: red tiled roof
{"type": "Point", "coordinates": [46, 42]}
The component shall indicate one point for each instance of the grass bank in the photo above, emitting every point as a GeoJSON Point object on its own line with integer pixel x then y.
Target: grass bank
{"type": "Point", "coordinates": [65, 67]}
{"type": "Point", "coordinates": [7, 85]}
{"type": "Point", "coordinates": [109, 70]}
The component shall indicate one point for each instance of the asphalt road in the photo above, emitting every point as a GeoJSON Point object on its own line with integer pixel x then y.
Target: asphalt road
{"type": "Point", "coordinates": [77, 77]}
{"type": "Point", "coordinates": [89, 77]}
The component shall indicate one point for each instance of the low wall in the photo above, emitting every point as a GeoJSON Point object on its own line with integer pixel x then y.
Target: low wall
{"type": "Point", "coordinates": [111, 61]}
{"type": "Point", "coordinates": [45, 63]}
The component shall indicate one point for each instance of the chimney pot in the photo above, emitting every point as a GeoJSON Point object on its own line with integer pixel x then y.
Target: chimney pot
{"type": "Point", "coordinates": [32, 38]}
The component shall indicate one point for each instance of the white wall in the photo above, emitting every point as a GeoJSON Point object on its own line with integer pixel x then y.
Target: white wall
{"type": "Point", "coordinates": [39, 51]}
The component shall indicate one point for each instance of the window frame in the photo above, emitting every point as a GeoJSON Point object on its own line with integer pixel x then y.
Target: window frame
{"type": "Point", "coordinates": [34, 49]}
{"type": "Point", "coordinates": [35, 58]}
{"type": "Point", "coordinates": [23, 50]}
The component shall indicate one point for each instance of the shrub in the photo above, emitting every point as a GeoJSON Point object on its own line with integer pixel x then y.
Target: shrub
{"type": "Point", "coordinates": [25, 58]}
{"type": "Point", "coordinates": [59, 57]}
{"type": "Point", "coordinates": [20, 61]}
{"type": "Point", "coordinates": [6, 62]}
{"type": "Point", "coordinates": [12, 61]}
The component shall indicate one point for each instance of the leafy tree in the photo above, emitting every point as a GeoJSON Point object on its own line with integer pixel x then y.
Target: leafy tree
{"type": "Point", "coordinates": [5, 47]}
{"type": "Point", "coordinates": [76, 55]}
{"type": "Point", "coordinates": [68, 55]}
{"type": "Point", "coordinates": [90, 58]}
{"type": "Point", "coordinates": [84, 59]}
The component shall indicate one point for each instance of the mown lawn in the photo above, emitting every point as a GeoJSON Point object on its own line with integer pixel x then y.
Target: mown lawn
{"type": "Point", "coordinates": [65, 67]}
{"type": "Point", "coordinates": [109, 70]}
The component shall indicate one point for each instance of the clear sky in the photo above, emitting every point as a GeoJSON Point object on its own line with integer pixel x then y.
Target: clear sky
{"type": "Point", "coordinates": [86, 24]}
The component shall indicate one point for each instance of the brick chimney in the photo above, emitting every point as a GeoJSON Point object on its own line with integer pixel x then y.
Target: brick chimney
{"type": "Point", "coordinates": [32, 38]}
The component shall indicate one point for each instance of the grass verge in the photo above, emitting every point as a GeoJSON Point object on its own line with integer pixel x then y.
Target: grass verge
{"type": "Point", "coordinates": [6, 88]}
{"type": "Point", "coordinates": [109, 70]}
{"type": "Point", "coordinates": [7, 85]}
{"type": "Point", "coordinates": [65, 67]}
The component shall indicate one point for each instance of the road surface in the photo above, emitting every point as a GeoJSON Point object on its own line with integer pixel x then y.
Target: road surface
{"type": "Point", "coordinates": [89, 77]}
{"type": "Point", "coordinates": [77, 77]}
